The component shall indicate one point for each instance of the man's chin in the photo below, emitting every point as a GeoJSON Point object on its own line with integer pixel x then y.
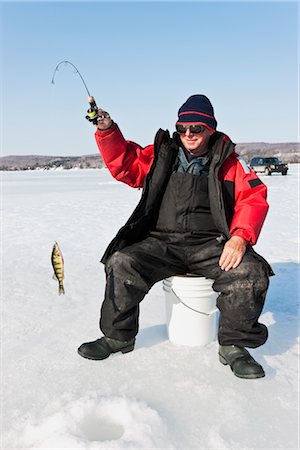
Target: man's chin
{"type": "Point", "coordinates": [192, 150]}
{"type": "Point", "coordinates": [196, 151]}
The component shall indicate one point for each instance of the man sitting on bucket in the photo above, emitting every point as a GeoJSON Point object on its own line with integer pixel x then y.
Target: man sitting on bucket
{"type": "Point", "coordinates": [200, 212]}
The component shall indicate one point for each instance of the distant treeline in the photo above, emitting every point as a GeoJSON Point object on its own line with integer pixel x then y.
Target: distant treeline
{"type": "Point", "coordinates": [287, 152]}
{"type": "Point", "coordinates": [39, 162]}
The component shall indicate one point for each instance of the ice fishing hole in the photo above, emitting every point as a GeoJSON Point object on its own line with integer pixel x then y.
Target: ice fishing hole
{"type": "Point", "coordinates": [97, 428]}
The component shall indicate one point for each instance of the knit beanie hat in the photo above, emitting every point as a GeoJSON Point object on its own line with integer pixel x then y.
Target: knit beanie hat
{"type": "Point", "coordinates": [198, 109]}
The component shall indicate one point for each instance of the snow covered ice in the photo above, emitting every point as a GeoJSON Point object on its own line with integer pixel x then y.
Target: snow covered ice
{"type": "Point", "coordinates": [117, 422]}
{"type": "Point", "coordinates": [160, 395]}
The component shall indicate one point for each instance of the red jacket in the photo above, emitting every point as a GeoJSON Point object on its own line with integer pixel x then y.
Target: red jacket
{"type": "Point", "coordinates": [129, 162]}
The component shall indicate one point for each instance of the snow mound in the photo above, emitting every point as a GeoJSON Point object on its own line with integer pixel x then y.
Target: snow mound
{"type": "Point", "coordinates": [98, 422]}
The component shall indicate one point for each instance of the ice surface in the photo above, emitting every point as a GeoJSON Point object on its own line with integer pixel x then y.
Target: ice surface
{"type": "Point", "coordinates": [161, 395]}
{"type": "Point", "coordinates": [97, 422]}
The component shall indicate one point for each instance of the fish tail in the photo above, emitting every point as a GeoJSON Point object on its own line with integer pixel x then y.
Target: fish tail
{"type": "Point", "coordinates": [61, 289]}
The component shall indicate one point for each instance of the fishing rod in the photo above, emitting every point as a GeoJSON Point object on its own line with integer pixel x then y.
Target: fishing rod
{"type": "Point", "coordinates": [92, 113]}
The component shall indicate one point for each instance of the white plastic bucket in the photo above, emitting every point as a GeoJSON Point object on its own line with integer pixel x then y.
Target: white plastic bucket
{"type": "Point", "coordinates": [191, 311]}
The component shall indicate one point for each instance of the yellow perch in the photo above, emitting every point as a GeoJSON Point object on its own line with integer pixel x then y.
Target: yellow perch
{"type": "Point", "coordinates": [58, 267]}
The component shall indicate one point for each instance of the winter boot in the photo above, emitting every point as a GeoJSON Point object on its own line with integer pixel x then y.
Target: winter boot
{"type": "Point", "coordinates": [102, 348]}
{"type": "Point", "coordinates": [241, 362]}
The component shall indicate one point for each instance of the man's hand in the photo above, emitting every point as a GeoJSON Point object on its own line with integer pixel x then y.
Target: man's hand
{"type": "Point", "coordinates": [104, 121]}
{"type": "Point", "coordinates": [233, 253]}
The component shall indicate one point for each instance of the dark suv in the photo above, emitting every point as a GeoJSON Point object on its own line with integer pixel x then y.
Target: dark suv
{"type": "Point", "coordinates": [268, 165]}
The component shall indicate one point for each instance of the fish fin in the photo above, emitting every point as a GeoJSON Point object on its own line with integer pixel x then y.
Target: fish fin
{"type": "Point", "coordinates": [54, 277]}
{"type": "Point", "coordinates": [61, 289]}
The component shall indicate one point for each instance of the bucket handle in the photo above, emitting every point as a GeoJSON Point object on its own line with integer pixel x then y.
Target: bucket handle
{"type": "Point", "coordinates": [195, 310]}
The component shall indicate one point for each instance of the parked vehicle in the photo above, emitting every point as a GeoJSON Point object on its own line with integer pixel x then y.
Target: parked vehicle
{"type": "Point", "coordinates": [268, 165]}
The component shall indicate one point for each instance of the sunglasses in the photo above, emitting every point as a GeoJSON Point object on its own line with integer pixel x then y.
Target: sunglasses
{"type": "Point", "coordinates": [193, 128]}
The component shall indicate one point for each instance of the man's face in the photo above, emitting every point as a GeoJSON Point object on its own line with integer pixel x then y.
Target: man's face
{"type": "Point", "coordinates": [195, 143]}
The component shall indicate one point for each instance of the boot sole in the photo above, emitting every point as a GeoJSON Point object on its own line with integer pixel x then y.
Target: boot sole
{"type": "Point", "coordinates": [127, 349]}
{"type": "Point", "coordinates": [248, 377]}
{"type": "Point", "coordinates": [123, 350]}
{"type": "Point", "coordinates": [223, 360]}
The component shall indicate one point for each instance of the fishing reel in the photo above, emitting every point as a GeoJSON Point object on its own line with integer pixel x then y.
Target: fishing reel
{"type": "Point", "coordinates": [93, 112]}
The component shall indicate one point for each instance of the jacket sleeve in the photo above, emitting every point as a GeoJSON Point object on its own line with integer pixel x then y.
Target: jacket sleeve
{"type": "Point", "coordinates": [127, 161]}
{"type": "Point", "coordinates": [251, 207]}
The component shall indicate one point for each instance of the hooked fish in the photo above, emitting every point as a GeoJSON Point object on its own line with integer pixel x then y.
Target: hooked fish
{"type": "Point", "coordinates": [58, 267]}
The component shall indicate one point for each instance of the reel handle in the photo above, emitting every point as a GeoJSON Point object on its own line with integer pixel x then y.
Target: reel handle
{"type": "Point", "coordinates": [92, 112]}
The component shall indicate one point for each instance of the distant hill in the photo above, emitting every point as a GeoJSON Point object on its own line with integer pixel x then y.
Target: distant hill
{"type": "Point", "coordinates": [287, 152]}
{"type": "Point", "coordinates": [35, 162]}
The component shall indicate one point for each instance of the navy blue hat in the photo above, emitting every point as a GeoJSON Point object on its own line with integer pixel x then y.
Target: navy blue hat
{"type": "Point", "coordinates": [198, 109]}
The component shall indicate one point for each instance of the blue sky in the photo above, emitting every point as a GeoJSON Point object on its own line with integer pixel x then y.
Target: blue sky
{"type": "Point", "coordinates": [141, 60]}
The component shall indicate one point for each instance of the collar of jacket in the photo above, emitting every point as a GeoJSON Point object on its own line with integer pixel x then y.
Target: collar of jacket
{"type": "Point", "coordinates": [221, 148]}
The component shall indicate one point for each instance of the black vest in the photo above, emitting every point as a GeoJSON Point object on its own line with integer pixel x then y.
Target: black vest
{"type": "Point", "coordinates": [185, 207]}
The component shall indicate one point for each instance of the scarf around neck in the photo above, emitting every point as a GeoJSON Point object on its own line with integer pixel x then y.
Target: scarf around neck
{"type": "Point", "coordinates": [198, 165]}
